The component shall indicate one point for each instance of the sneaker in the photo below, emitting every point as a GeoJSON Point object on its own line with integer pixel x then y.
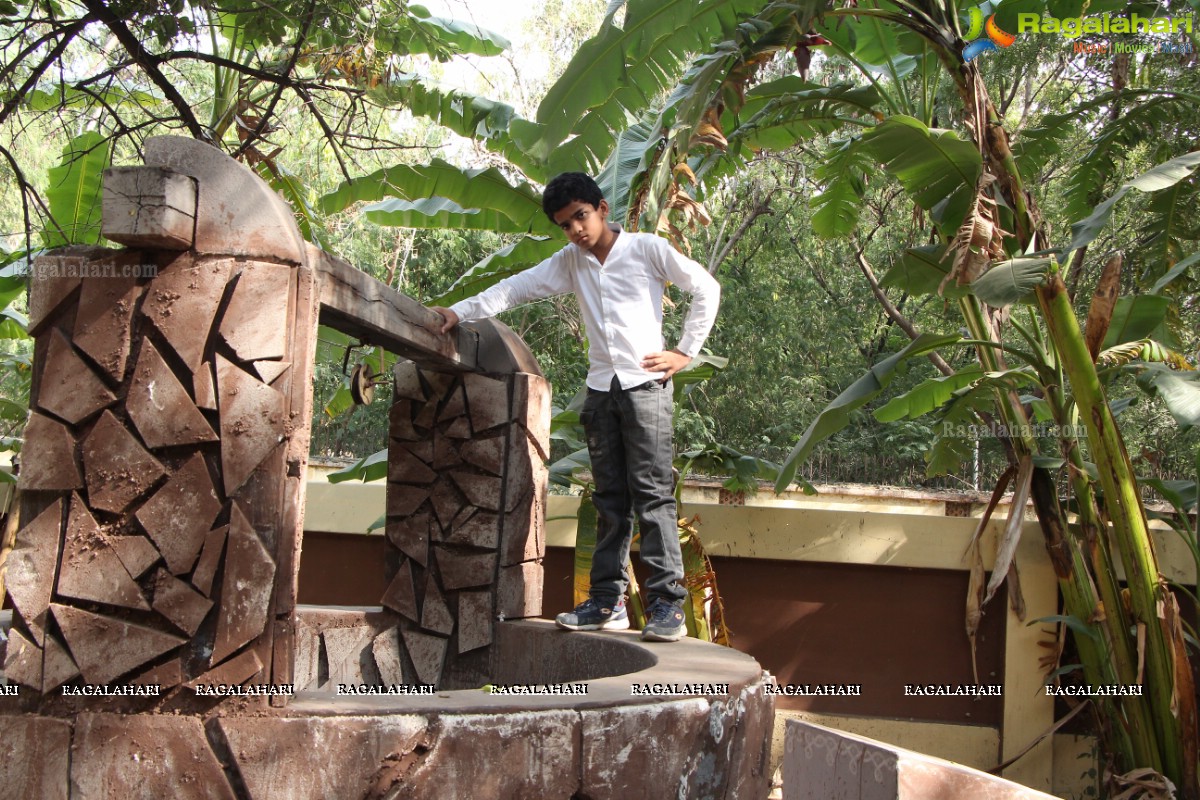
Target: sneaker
{"type": "Point", "coordinates": [593, 615]}
{"type": "Point", "coordinates": [664, 622]}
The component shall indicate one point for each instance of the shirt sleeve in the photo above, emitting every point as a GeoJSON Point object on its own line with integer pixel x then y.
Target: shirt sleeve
{"type": "Point", "coordinates": [547, 279]}
{"type": "Point", "coordinates": [704, 289]}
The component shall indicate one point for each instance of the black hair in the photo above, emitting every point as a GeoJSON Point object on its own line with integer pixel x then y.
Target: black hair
{"type": "Point", "coordinates": [568, 187]}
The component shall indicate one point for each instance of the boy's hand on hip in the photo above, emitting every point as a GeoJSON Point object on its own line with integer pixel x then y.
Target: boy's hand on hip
{"type": "Point", "coordinates": [449, 319]}
{"type": "Point", "coordinates": [666, 361]}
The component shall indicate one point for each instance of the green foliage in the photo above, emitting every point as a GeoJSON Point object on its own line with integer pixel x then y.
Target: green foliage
{"type": "Point", "coordinates": [74, 193]}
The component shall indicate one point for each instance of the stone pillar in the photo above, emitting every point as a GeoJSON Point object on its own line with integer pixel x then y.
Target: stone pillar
{"type": "Point", "coordinates": [164, 462]}
{"type": "Point", "coordinates": [466, 501]}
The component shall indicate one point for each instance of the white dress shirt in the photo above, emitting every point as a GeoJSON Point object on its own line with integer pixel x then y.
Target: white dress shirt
{"type": "Point", "coordinates": [621, 301]}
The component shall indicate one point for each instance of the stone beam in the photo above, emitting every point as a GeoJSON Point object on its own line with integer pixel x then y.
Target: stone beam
{"type": "Point", "coordinates": [356, 304]}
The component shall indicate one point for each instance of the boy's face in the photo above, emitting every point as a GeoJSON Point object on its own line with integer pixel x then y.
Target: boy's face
{"type": "Point", "coordinates": [584, 224]}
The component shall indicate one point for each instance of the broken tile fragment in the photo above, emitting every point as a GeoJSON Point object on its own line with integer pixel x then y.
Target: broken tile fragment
{"type": "Point", "coordinates": [246, 590]}
{"type": "Point", "coordinates": [484, 491]}
{"type": "Point", "coordinates": [58, 667]}
{"type": "Point", "coordinates": [459, 429]}
{"type": "Point", "coordinates": [255, 321]}
{"type": "Point", "coordinates": [68, 388]}
{"type": "Point", "coordinates": [461, 570]}
{"type": "Point", "coordinates": [439, 383]}
{"type": "Point", "coordinates": [252, 422]}
{"type": "Point", "coordinates": [480, 530]}
{"type": "Point", "coordinates": [400, 424]}
{"type": "Point", "coordinates": [445, 454]}
{"type": "Point", "coordinates": [136, 554]}
{"type": "Point", "coordinates": [181, 302]}
{"type": "Point", "coordinates": [52, 279]}
{"type": "Point", "coordinates": [404, 467]}
{"type": "Point", "coordinates": [343, 649]}
{"type": "Point", "coordinates": [411, 536]}
{"type": "Point", "coordinates": [487, 398]}
{"type": "Point", "coordinates": [454, 407]}
{"type": "Point", "coordinates": [179, 515]}
{"type": "Point", "coordinates": [427, 652]}
{"type": "Point", "coordinates": [400, 595]}
{"type": "Point", "coordinates": [519, 590]}
{"type": "Point", "coordinates": [386, 651]}
{"type": "Point", "coordinates": [102, 323]}
{"type": "Point", "coordinates": [118, 470]}
{"type": "Point", "coordinates": [424, 418]}
{"type": "Point", "coordinates": [179, 602]}
{"type": "Point", "coordinates": [403, 500]}
{"type": "Point", "coordinates": [31, 568]}
{"type": "Point", "coordinates": [160, 407]}
{"type": "Point", "coordinates": [106, 648]}
{"type": "Point", "coordinates": [486, 454]}
{"type": "Point", "coordinates": [210, 558]}
{"type": "Point", "coordinates": [90, 569]}
{"type": "Point", "coordinates": [535, 415]}
{"type": "Point", "coordinates": [48, 459]}
{"type": "Point", "coordinates": [203, 388]}
{"type": "Point", "coordinates": [408, 381]}
{"type": "Point", "coordinates": [447, 502]}
{"type": "Point", "coordinates": [233, 672]}
{"type": "Point", "coordinates": [23, 661]}
{"type": "Point", "coordinates": [474, 620]}
{"type": "Point", "coordinates": [166, 675]}
{"type": "Point", "coordinates": [435, 614]}
{"type": "Point", "coordinates": [269, 371]}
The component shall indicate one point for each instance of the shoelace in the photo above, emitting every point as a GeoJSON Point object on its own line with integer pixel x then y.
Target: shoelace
{"type": "Point", "coordinates": [661, 611]}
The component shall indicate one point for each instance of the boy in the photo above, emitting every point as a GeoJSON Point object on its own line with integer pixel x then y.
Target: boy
{"type": "Point", "coordinates": [619, 278]}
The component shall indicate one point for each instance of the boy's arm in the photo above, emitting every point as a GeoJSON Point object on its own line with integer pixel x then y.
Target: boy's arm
{"type": "Point", "coordinates": [547, 279]}
{"type": "Point", "coordinates": [706, 296]}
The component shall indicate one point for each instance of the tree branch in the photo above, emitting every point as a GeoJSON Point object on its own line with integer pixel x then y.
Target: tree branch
{"type": "Point", "coordinates": [894, 313]}
{"type": "Point", "coordinates": [69, 33]}
{"type": "Point", "coordinates": [762, 207]}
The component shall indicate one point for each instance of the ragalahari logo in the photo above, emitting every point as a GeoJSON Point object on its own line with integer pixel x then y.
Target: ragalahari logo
{"type": "Point", "coordinates": [994, 40]}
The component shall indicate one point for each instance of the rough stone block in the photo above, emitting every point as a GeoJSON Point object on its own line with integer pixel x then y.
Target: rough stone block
{"type": "Point", "coordinates": [246, 590]}
{"type": "Point", "coordinates": [524, 530]}
{"type": "Point", "coordinates": [31, 568]}
{"type": "Point", "coordinates": [400, 595]}
{"type": "Point", "coordinates": [90, 569]}
{"type": "Point", "coordinates": [253, 422]}
{"type": "Point", "coordinates": [145, 755]}
{"type": "Point", "coordinates": [182, 302]}
{"type": "Point", "coordinates": [535, 416]}
{"type": "Point", "coordinates": [68, 388]}
{"type": "Point", "coordinates": [237, 213]}
{"type": "Point", "coordinates": [36, 760]}
{"type": "Point", "coordinates": [435, 614]}
{"type": "Point", "coordinates": [48, 460]}
{"type": "Point", "coordinates": [107, 648]}
{"type": "Point", "coordinates": [307, 662]}
{"type": "Point", "coordinates": [160, 407]}
{"type": "Point", "coordinates": [179, 602]}
{"type": "Point", "coordinates": [519, 590]}
{"type": "Point", "coordinates": [210, 559]}
{"type": "Point", "coordinates": [118, 470]}
{"type": "Point", "coordinates": [475, 619]}
{"type": "Point", "coordinates": [148, 207]}
{"type": "Point", "coordinates": [461, 570]}
{"type": "Point", "coordinates": [750, 757]}
{"type": "Point", "coordinates": [102, 323]}
{"type": "Point", "coordinates": [180, 514]}
{"type": "Point", "coordinates": [501, 756]}
{"type": "Point", "coordinates": [667, 734]}
{"type": "Point", "coordinates": [359, 756]}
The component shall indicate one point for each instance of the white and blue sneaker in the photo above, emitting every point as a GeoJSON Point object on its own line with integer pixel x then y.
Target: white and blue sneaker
{"type": "Point", "coordinates": [664, 622]}
{"type": "Point", "coordinates": [593, 615]}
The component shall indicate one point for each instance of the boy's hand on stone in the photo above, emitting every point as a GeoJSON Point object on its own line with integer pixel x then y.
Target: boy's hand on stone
{"type": "Point", "coordinates": [666, 361]}
{"type": "Point", "coordinates": [449, 319]}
